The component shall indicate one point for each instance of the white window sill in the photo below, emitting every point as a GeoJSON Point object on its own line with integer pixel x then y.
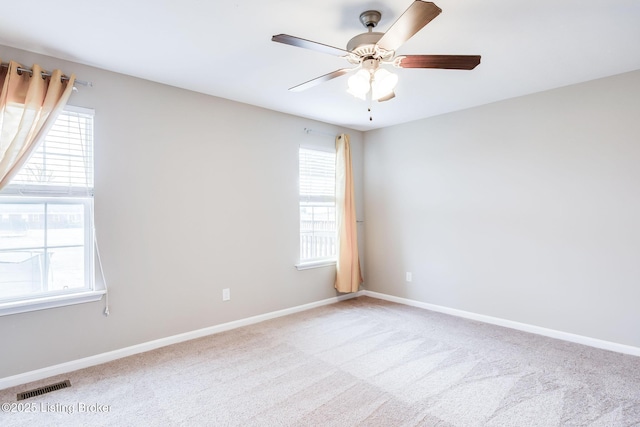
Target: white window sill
{"type": "Point", "coordinates": [43, 303]}
{"type": "Point", "coordinates": [316, 264]}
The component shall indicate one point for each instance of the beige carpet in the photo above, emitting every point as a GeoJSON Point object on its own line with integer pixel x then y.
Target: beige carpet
{"type": "Point", "coordinates": [362, 362]}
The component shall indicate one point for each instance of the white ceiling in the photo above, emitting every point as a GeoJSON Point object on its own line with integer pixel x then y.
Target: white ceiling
{"type": "Point", "coordinates": [224, 48]}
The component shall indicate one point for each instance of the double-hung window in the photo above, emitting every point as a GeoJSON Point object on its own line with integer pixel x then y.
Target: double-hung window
{"type": "Point", "coordinates": [46, 221]}
{"type": "Point", "coordinates": [317, 206]}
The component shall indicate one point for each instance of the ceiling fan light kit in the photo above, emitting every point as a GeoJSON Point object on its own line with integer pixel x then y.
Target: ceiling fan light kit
{"type": "Point", "coordinates": [359, 84]}
{"type": "Point", "coordinates": [372, 78]}
{"type": "Point", "coordinates": [371, 50]}
{"type": "Point", "coordinates": [383, 84]}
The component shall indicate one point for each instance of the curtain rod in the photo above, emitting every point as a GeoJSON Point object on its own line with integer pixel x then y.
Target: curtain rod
{"type": "Point", "coordinates": [48, 74]}
{"type": "Point", "coordinates": [319, 132]}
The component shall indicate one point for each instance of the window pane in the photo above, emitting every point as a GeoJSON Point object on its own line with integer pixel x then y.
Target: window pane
{"type": "Point", "coordinates": [67, 268]}
{"type": "Point", "coordinates": [32, 263]}
{"type": "Point", "coordinates": [21, 225]}
{"type": "Point", "coordinates": [30, 272]}
{"type": "Point", "coordinates": [22, 273]}
{"type": "Point", "coordinates": [317, 205]}
{"type": "Point", "coordinates": [317, 232]}
{"type": "Point", "coordinates": [65, 224]}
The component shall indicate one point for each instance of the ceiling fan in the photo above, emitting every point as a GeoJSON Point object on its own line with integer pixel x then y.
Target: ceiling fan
{"type": "Point", "coordinates": [369, 51]}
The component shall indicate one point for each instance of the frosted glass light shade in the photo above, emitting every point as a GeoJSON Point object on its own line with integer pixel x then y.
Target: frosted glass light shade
{"type": "Point", "coordinates": [359, 84]}
{"type": "Point", "coordinates": [383, 83]}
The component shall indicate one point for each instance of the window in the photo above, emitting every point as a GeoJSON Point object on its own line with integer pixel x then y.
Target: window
{"type": "Point", "coordinates": [46, 221]}
{"type": "Point", "coordinates": [317, 206]}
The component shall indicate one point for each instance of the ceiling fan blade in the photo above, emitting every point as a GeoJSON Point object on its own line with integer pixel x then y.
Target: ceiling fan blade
{"type": "Point", "coordinates": [450, 62]}
{"type": "Point", "coordinates": [308, 44]}
{"type": "Point", "coordinates": [321, 79]}
{"type": "Point", "coordinates": [419, 14]}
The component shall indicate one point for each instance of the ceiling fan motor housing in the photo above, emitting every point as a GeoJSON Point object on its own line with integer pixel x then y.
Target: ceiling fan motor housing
{"type": "Point", "coordinates": [364, 44]}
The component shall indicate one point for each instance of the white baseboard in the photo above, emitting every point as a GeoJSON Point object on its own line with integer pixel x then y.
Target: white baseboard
{"type": "Point", "coordinates": [579, 339]}
{"type": "Point", "coordinates": [98, 359]}
{"type": "Point", "coordinates": [152, 345]}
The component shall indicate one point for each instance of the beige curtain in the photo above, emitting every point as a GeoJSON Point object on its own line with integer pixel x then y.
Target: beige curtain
{"type": "Point", "coordinates": [348, 276]}
{"type": "Point", "coordinates": [29, 105]}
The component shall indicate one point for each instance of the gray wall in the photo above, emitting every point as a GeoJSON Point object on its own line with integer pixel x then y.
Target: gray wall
{"type": "Point", "coordinates": [193, 194]}
{"type": "Point", "coordinates": [526, 209]}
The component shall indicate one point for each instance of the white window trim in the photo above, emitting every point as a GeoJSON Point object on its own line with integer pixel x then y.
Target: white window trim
{"type": "Point", "coordinates": [316, 264]}
{"type": "Point", "coordinates": [92, 294]}
{"type": "Point", "coordinates": [34, 304]}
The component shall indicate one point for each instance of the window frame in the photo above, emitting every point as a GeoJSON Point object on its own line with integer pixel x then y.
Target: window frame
{"type": "Point", "coordinates": [33, 194]}
{"type": "Point", "coordinates": [305, 264]}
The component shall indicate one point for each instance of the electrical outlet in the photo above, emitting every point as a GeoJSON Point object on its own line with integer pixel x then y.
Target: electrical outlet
{"type": "Point", "coordinates": [409, 277]}
{"type": "Point", "coordinates": [226, 294]}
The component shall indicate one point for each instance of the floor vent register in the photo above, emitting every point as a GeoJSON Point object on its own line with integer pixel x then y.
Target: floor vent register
{"type": "Point", "coordinates": [43, 390]}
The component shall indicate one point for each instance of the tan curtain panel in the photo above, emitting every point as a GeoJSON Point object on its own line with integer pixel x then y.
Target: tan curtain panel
{"type": "Point", "coordinates": [348, 276]}
{"type": "Point", "coordinates": [29, 105]}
